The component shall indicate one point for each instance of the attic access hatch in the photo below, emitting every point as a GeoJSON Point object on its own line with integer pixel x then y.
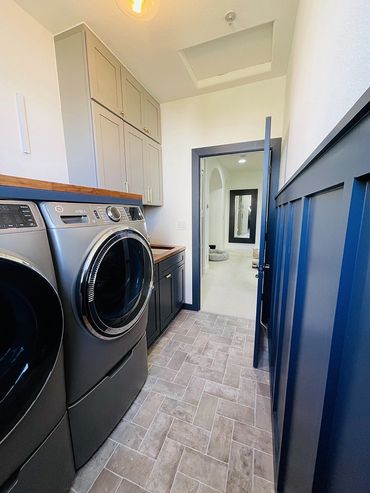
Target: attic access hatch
{"type": "Point", "coordinates": [238, 55]}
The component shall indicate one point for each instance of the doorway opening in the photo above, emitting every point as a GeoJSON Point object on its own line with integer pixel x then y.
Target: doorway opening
{"type": "Point", "coordinates": [271, 170]}
{"type": "Point", "coordinates": [231, 205]}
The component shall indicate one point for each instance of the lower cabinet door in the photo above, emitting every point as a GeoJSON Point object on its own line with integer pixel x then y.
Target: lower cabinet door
{"type": "Point", "coordinates": [178, 288]}
{"type": "Point", "coordinates": [166, 300]}
{"type": "Point", "coordinates": [153, 327]}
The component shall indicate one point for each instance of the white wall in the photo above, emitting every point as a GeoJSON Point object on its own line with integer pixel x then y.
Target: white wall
{"type": "Point", "coordinates": [216, 210]}
{"type": "Point", "coordinates": [329, 71]}
{"type": "Point", "coordinates": [222, 117]}
{"type": "Point", "coordinates": [28, 66]}
{"type": "Point", "coordinates": [215, 204]}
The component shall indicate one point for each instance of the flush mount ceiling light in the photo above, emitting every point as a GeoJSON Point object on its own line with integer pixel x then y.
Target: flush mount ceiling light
{"type": "Point", "coordinates": [242, 160]}
{"type": "Point", "coordinates": [230, 17]}
{"type": "Point", "coordinates": [139, 9]}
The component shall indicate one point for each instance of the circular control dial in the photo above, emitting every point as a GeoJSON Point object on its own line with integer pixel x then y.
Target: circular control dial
{"type": "Point", "coordinates": [113, 214]}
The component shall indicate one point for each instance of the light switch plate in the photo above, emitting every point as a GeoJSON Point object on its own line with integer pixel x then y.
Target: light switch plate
{"type": "Point", "coordinates": [181, 225]}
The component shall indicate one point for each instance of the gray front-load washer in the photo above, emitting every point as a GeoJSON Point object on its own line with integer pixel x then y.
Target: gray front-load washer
{"type": "Point", "coordinates": [104, 268]}
{"type": "Point", "coordinates": [35, 446]}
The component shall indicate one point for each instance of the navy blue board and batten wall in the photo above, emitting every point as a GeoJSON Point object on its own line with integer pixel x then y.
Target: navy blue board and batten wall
{"type": "Point", "coordinates": [319, 331]}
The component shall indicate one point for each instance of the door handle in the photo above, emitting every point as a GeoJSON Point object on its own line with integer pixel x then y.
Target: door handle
{"type": "Point", "coordinates": [261, 269]}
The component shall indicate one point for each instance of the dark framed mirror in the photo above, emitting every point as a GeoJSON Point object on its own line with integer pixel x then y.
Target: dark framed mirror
{"type": "Point", "coordinates": [242, 216]}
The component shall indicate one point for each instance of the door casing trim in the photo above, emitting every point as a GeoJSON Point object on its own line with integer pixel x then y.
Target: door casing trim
{"type": "Point", "coordinates": [203, 152]}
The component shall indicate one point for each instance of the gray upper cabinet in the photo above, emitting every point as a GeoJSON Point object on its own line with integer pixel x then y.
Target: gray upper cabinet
{"type": "Point", "coordinates": [153, 172]}
{"type": "Point", "coordinates": [144, 166]}
{"type": "Point", "coordinates": [132, 95]}
{"type": "Point", "coordinates": [134, 143]}
{"type": "Point", "coordinates": [109, 149]}
{"type": "Point", "coordinates": [98, 96]}
{"type": "Point", "coordinates": [104, 74]}
{"type": "Point", "coordinates": [151, 117]}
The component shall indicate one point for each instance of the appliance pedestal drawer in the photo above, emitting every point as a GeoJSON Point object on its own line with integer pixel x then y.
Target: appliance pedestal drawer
{"type": "Point", "coordinates": [93, 418]}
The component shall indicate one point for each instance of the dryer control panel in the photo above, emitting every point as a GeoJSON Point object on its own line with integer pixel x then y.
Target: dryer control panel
{"type": "Point", "coordinates": [62, 214]}
{"type": "Point", "coordinates": [16, 216]}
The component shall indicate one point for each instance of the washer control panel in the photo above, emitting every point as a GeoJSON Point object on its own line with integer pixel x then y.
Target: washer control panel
{"type": "Point", "coordinates": [19, 215]}
{"type": "Point", "coordinates": [77, 215]}
{"type": "Point", "coordinates": [113, 213]}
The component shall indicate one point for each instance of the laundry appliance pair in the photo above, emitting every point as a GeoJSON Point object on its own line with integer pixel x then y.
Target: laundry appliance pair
{"type": "Point", "coordinates": [104, 275]}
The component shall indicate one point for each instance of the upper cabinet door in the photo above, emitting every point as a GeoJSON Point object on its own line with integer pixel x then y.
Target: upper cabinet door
{"type": "Point", "coordinates": [104, 74]}
{"type": "Point", "coordinates": [152, 117]}
{"type": "Point", "coordinates": [153, 172]}
{"type": "Point", "coordinates": [132, 95]}
{"type": "Point", "coordinates": [109, 149]}
{"type": "Point", "coordinates": [134, 144]}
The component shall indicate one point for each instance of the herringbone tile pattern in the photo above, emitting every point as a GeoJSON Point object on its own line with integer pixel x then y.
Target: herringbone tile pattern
{"type": "Point", "coordinates": [201, 424]}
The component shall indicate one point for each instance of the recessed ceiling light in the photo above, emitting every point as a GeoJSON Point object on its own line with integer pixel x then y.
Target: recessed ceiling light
{"type": "Point", "coordinates": [139, 9]}
{"type": "Point", "coordinates": [242, 160]}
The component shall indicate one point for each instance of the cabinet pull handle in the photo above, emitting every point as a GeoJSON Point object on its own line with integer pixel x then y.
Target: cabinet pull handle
{"type": "Point", "coordinates": [122, 113]}
{"type": "Point", "coordinates": [126, 185]}
{"type": "Point", "coordinates": [168, 276]}
{"type": "Point", "coordinates": [146, 130]}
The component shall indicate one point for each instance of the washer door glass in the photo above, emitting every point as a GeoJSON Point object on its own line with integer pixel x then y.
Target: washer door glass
{"type": "Point", "coordinates": [117, 284]}
{"type": "Point", "coordinates": [31, 330]}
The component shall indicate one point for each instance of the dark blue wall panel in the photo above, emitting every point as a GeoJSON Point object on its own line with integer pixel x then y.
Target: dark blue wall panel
{"type": "Point", "coordinates": [319, 331]}
{"type": "Point", "coordinates": [347, 463]}
{"type": "Point", "coordinates": [323, 251]}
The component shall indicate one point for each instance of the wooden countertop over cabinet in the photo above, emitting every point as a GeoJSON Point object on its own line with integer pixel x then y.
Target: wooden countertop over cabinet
{"type": "Point", "coordinates": [49, 186]}
{"type": "Point", "coordinates": [168, 289]}
{"type": "Point", "coordinates": [170, 251]}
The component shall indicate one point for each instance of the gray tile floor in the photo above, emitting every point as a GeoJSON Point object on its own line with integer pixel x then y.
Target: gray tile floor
{"type": "Point", "coordinates": [201, 423]}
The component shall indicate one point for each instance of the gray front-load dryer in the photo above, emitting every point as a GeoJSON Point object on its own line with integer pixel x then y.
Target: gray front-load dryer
{"type": "Point", "coordinates": [35, 446]}
{"type": "Point", "coordinates": [104, 268]}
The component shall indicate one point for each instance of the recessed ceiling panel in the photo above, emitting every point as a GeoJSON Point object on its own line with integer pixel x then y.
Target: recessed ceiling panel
{"type": "Point", "coordinates": [234, 52]}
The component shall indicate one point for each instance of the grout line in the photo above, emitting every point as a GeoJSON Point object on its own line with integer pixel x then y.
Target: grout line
{"type": "Point", "coordinates": [200, 453]}
{"type": "Point", "coordinates": [200, 483]}
{"type": "Point", "coordinates": [177, 469]}
{"type": "Point", "coordinates": [155, 415]}
{"type": "Point", "coordinates": [264, 479]}
{"type": "Point", "coordinates": [229, 460]}
{"type": "Point", "coordinates": [104, 466]}
{"type": "Point", "coordinates": [129, 480]}
{"type": "Point", "coordinates": [119, 484]}
{"type": "Point", "coordinates": [252, 471]}
{"type": "Point", "coordinates": [213, 424]}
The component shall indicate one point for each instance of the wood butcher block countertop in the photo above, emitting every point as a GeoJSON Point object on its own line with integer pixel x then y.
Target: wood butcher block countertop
{"type": "Point", "coordinates": [169, 251]}
{"type": "Point", "coordinates": [27, 183]}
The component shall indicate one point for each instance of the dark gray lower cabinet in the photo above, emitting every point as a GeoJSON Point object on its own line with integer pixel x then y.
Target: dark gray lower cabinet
{"type": "Point", "coordinates": [168, 295]}
{"type": "Point", "coordinates": [153, 327]}
{"type": "Point", "coordinates": [166, 301]}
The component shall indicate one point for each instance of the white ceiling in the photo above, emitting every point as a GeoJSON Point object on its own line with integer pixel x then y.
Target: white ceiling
{"type": "Point", "coordinates": [230, 161]}
{"type": "Point", "coordinates": [171, 54]}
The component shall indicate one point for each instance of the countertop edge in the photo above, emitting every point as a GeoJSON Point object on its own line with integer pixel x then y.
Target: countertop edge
{"type": "Point", "coordinates": [175, 249]}
{"type": "Point", "coordinates": [19, 182]}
